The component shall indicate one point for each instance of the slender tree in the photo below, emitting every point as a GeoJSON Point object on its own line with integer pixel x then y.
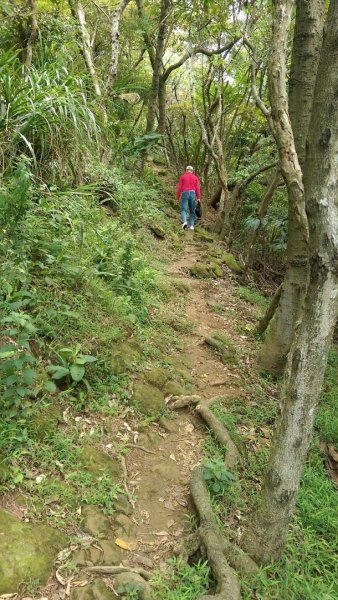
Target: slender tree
{"type": "Point", "coordinates": [115, 34]}
{"type": "Point", "coordinates": [266, 535]}
{"type": "Point", "coordinates": [33, 20]}
{"type": "Point", "coordinates": [305, 56]}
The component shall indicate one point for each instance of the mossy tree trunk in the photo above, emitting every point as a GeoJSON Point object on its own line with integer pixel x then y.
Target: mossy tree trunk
{"type": "Point", "coordinates": [78, 13]}
{"type": "Point", "coordinates": [115, 34]}
{"type": "Point", "coordinates": [305, 56]}
{"type": "Point", "coordinates": [266, 534]}
{"type": "Point", "coordinates": [28, 54]}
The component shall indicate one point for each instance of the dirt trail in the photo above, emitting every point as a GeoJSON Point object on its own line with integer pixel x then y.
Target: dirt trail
{"type": "Point", "coordinates": [161, 481]}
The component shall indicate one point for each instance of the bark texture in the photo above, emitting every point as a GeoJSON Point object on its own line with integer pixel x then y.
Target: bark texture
{"type": "Point", "coordinates": [79, 14]}
{"type": "Point", "coordinates": [115, 34]}
{"type": "Point", "coordinates": [305, 56]}
{"type": "Point", "coordinates": [266, 536]}
{"type": "Point", "coordinates": [31, 5]}
{"type": "Point", "coordinates": [157, 66]}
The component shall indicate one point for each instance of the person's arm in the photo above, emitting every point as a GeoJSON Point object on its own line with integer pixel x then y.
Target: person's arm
{"type": "Point", "coordinates": [198, 189]}
{"type": "Point", "coordinates": [179, 188]}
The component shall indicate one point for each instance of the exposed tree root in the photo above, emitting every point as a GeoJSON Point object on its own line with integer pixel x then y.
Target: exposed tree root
{"type": "Point", "coordinates": [228, 586]}
{"type": "Point", "coordinates": [220, 433]}
{"type": "Point", "coordinates": [140, 448]}
{"type": "Point", "coordinates": [225, 558]}
{"type": "Point", "coordinates": [125, 479]}
{"type": "Point", "coordinates": [112, 570]}
{"type": "Point", "coordinates": [184, 401]}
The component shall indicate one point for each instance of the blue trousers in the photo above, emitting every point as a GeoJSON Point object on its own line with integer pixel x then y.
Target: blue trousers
{"type": "Point", "coordinates": [188, 199]}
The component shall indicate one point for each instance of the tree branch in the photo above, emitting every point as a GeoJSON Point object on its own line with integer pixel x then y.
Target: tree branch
{"type": "Point", "coordinates": [198, 50]}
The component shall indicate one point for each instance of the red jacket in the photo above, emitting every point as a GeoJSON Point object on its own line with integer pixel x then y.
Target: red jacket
{"type": "Point", "coordinates": [186, 183]}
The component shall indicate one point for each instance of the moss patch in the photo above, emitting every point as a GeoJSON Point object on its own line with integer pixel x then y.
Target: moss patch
{"type": "Point", "coordinates": [225, 258]}
{"type": "Point", "coordinates": [97, 462]}
{"type": "Point", "coordinates": [124, 356]}
{"type": "Point", "coordinates": [157, 377]}
{"type": "Point", "coordinates": [175, 389]}
{"type": "Point", "coordinates": [204, 235]}
{"type": "Point", "coordinates": [148, 399]}
{"type": "Point", "coordinates": [206, 270]}
{"type": "Point", "coordinates": [95, 522]}
{"type": "Point", "coordinates": [28, 552]}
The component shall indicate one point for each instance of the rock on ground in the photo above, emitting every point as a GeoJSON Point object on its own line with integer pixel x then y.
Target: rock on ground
{"type": "Point", "coordinates": [27, 552]}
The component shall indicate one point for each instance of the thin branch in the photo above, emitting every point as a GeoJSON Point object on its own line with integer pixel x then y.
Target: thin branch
{"type": "Point", "coordinates": [254, 65]}
{"type": "Point", "coordinates": [198, 50]}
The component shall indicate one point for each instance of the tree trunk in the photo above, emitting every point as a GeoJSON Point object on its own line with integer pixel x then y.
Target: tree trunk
{"type": "Point", "coordinates": [263, 209]}
{"type": "Point", "coordinates": [265, 320]}
{"type": "Point", "coordinates": [162, 29]}
{"type": "Point", "coordinates": [31, 5]}
{"type": "Point", "coordinates": [115, 34]}
{"type": "Point", "coordinates": [232, 208]}
{"type": "Point", "coordinates": [307, 42]}
{"type": "Point", "coordinates": [162, 99]}
{"type": "Point", "coordinates": [218, 157]}
{"type": "Point", "coordinates": [266, 535]}
{"type": "Point", "coordinates": [79, 14]}
{"type": "Point", "coordinates": [305, 57]}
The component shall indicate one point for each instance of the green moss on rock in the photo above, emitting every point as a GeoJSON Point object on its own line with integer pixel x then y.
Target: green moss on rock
{"type": "Point", "coordinates": [201, 271]}
{"type": "Point", "coordinates": [148, 399]}
{"type": "Point", "coordinates": [97, 462]}
{"type": "Point", "coordinates": [95, 522]}
{"type": "Point", "coordinates": [218, 256]}
{"type": "Point", "coordinates": [175, 389]}
{"type": "Point", "coordinates": [124, 356]}
{"type": "Point", "coordinates": [217, 269]}
{"type": "Point", "coordinates": [28, 552]}
{"type": "Point", "coordinates": [205, 270]}
{"type": "Point", "coordinates": [231, 262]}
{"type": "Point", "coordinates": [157, 377]}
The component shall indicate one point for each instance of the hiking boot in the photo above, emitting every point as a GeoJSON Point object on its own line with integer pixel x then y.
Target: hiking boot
{"type": "Point", "coordinates": [184, 225]}
{"type": "Point", "coordinates": [191, 227]}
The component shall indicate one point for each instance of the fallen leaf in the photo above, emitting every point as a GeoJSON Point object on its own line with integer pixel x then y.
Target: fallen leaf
{"type": "Point", "coordinates": [125, 545]}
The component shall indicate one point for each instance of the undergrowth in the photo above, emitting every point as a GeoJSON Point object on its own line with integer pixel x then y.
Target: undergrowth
{"type": "Point", "coordinates": [77, 281]}
{"type": "Point", "coordinates": [308, 569]}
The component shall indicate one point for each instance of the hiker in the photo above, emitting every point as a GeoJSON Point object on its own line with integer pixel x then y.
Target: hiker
{"type": "Point", "coordinates": [188, 190]}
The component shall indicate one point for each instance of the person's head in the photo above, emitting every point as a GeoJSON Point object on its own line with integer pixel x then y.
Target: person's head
{"type": "Point", "coordinates": [189, 169]}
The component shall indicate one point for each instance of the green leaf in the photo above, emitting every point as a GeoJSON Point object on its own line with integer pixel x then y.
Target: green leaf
{"type": "Point", "coordinates": [11, 379]}
{"type": "Point", "coordinates": [7, 350]}
{"type": "Point", "coordinates": [77, 372]}
{"type": "Point", "coordinates": [50, 386]}
{"type": "Point", "coordinates": [57, 371]}
{"type": "Point", "coordinates": [82, 359]}
{"type": "Point", "coordinates": [216, 487]}
{"type": "Point", "coordinates": [29, 376]}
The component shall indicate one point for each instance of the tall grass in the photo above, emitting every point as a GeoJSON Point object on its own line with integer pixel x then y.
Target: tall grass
{"type": "Point", "coordinates": [45, 115]}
